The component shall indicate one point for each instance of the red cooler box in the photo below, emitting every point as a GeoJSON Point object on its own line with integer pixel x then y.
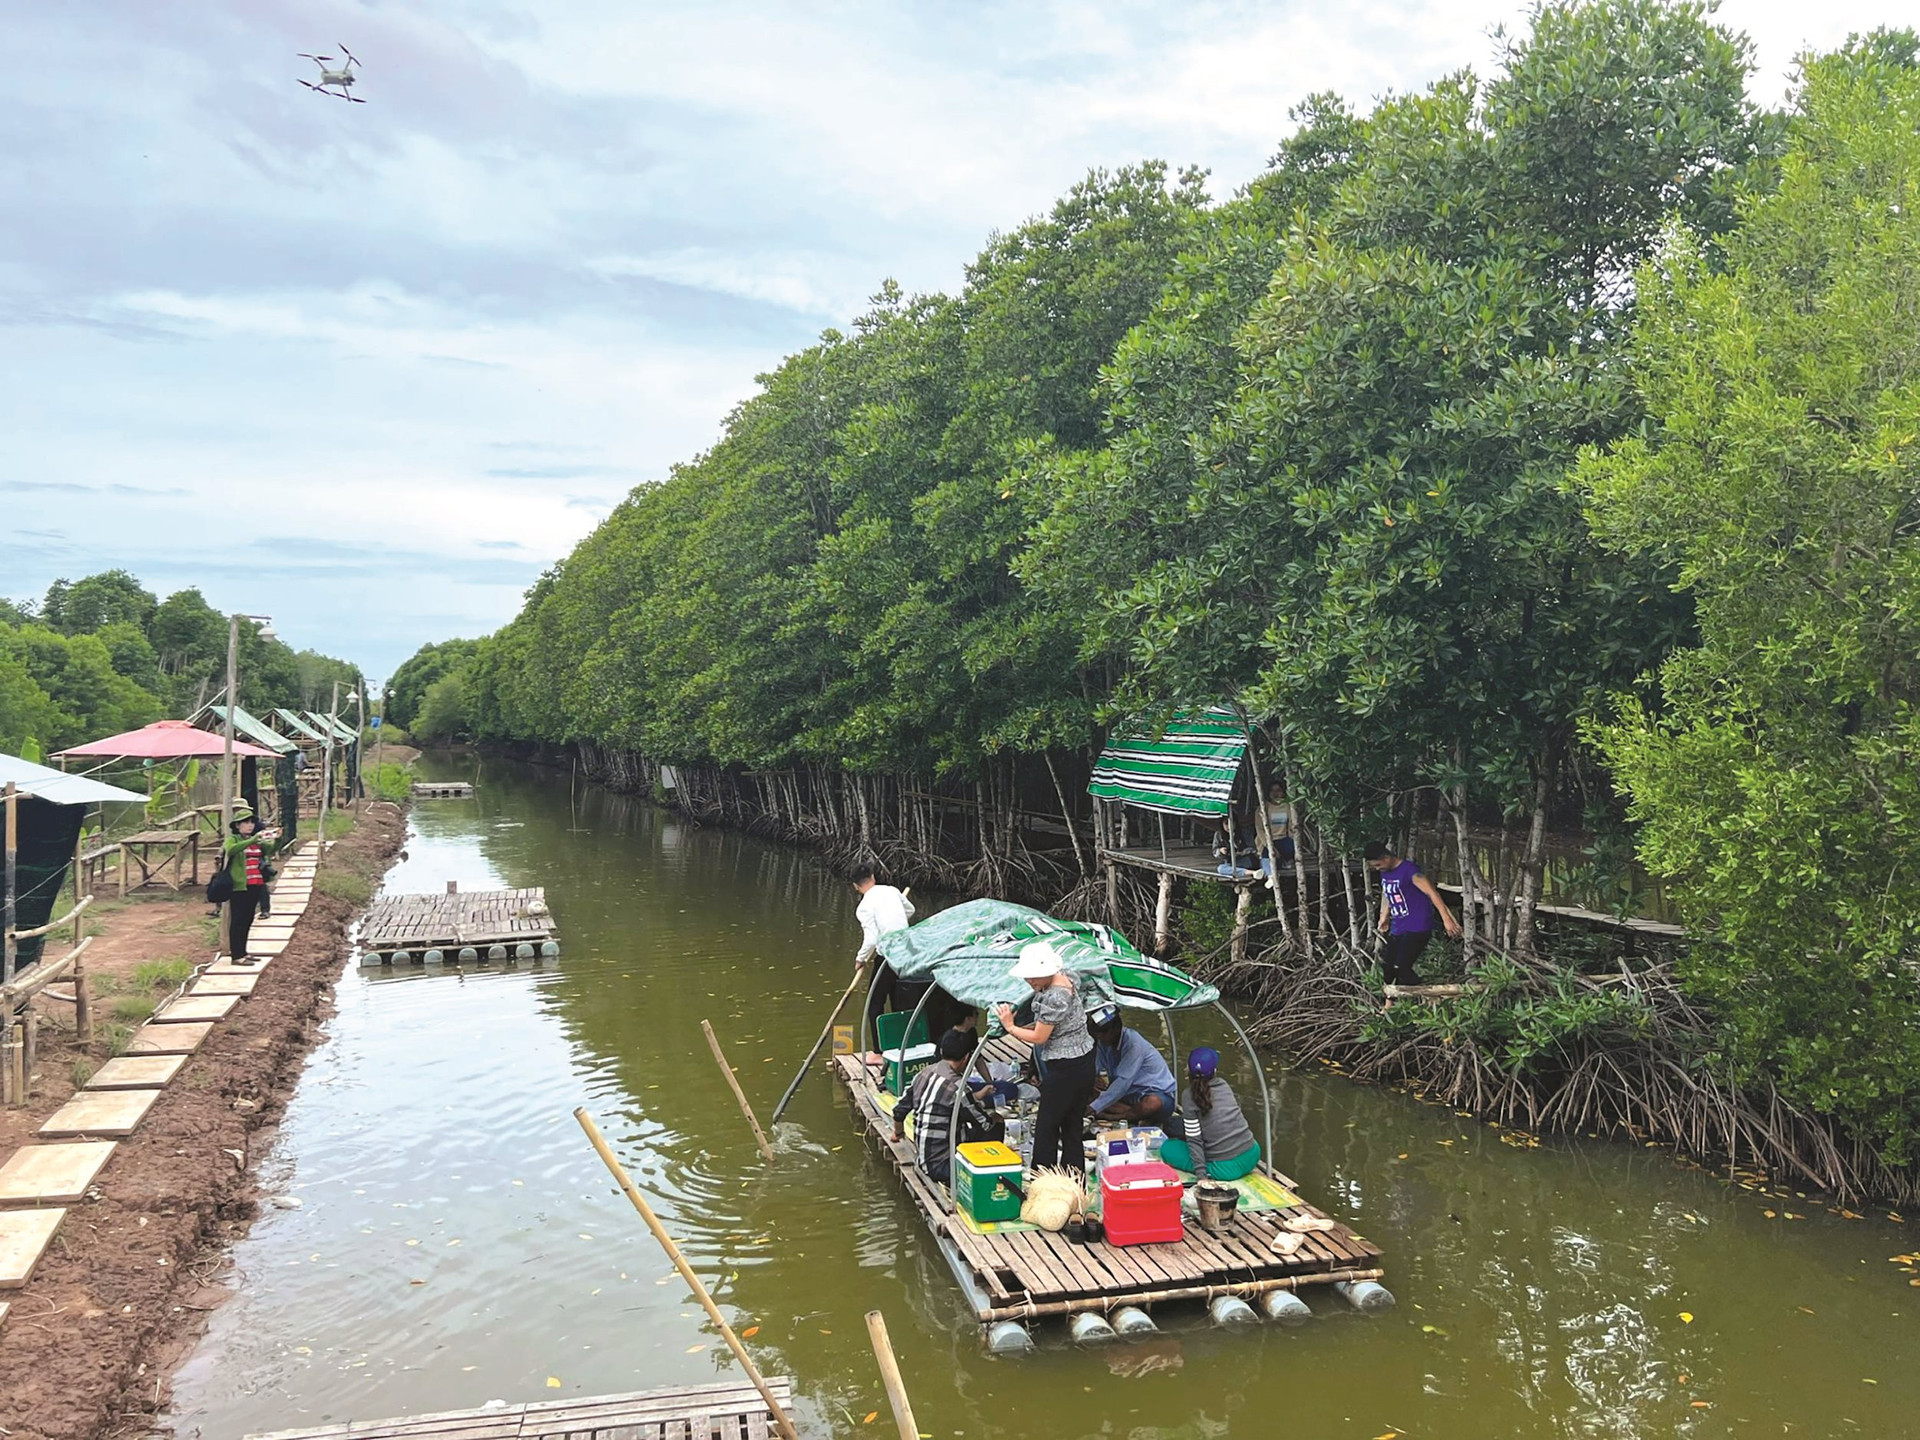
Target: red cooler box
{"type": "Point", "coordinates": [1140, 1204]}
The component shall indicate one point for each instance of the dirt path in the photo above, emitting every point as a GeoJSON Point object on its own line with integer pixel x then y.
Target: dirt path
{"type": "Point", "coordinates": [120, 1297]}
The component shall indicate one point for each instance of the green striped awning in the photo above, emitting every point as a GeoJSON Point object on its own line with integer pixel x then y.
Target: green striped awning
{"type": "Point", "coordinates": [1187, 770]}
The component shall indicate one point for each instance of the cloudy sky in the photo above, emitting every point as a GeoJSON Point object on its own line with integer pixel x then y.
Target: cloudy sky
{"type": "Point", "coordinates": [370, 368]}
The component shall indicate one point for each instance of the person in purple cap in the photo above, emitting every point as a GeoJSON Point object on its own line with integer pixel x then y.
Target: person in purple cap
{"type": "Point", "coordinates": [1409, 902]}
{"type": "Point", "coordinates": [1219, 1142]}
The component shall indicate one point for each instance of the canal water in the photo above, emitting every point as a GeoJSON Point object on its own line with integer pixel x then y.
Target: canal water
{"type": "Point", "coordinates": [455, 1240]}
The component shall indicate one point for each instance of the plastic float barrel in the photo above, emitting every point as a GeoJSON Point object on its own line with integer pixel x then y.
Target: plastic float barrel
{"type": "Point", "coordinates": [496, 952]}
{"type": "Point", "coordinates": [401, 957]}
{"type": "Point", "coordinates": [1008, 1337]}
{"type": "Point", "coordinates": [434, 957]}
{"type": "Point", "coordinates": [1132, 1320]}
{"type": "Point", "coordinates": [549, 948]}
{"type": "Point", "coordinates": [1286, 1307]}
{"type": "Point", "coordinates": [523, 951]}
{"type": "Point", "coordinates": [1090, 1327]}
{"type": "Point", "coordinates": [468, 954]}
{"type": "Point", "coordinates": [1366, 1296]}
{"type": "Point", "coordinates": [1231, 1310]}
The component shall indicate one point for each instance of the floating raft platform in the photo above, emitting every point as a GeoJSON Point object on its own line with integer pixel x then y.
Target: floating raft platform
{"type": "Point", "coordinates": [732, 1411]}
{"type": "Point", "coordinates": [1026, 1274]}
{"type": "Point", "coordinates": [442, 790]}
{"type": "Point", "coordinates": [432, 928]}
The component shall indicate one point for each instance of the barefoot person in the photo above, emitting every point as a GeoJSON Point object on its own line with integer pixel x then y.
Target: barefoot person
{"type": "Point", "coordinates": [1409, 903]}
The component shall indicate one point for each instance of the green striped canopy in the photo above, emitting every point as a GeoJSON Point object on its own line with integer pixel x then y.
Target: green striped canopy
{"type": "Point", "coordinates": [1188, 769]}
{"type": "Point", "coordinates": [969, 951]}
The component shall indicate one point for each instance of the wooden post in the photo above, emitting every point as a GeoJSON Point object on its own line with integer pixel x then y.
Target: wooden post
{"type": "Point", "coordinates": [82, 1002]}
{"type": "Point", "coordinates": [890, 1376]}
{"type": "Point", "coordinates": [12, 861]}
{"type": "Point", "coordinates": [780, 1418]}
{"type": "Point", "coordinates": [29, 1049]}
{"type": "Point", "coordinates": [453, 887]}
{"type": "Point", "coordinates": [9, 1095]}
{"type": "Point", "coordinates": [1242, 903]}
{"type": "Point", "coordinates": [1163, 917]}
{"type": "Point", "coordinates": [733, 1082]}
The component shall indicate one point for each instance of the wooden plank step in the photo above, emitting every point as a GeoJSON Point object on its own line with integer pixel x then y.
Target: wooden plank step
{"type": "Point", "coordinates": [24, 1237]}
{"type": "Point", "coordinates": [53, 1174]}
{"type": "Point", "coordinates": [195, 1007]}
{"type": "Point", "coordinates": [136, 1072]}
{"type": "Point", "coordinates": [169, 1039]}
{"type": "Point", "coordinates": [104, 1113]}
{"type": "Point", "coordinates": [234, 984]}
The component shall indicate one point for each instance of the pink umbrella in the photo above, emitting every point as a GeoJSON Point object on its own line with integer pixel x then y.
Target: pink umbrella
{"type": "Point", "coordinates": [164, 740]}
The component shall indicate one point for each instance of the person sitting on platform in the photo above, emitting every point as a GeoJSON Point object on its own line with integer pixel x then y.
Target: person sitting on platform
{"type": "Point", "coordinates": [930, 1100]}
{"type": "Point", "coordinates": [1139, 1080]}
{"type": "Point", "coordinates": [1211, 1138]}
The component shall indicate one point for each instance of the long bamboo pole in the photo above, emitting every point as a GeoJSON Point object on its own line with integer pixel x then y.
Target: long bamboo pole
{"type": "Point", "coordinates": [859, 972]}
{"type": "Point", "coordinates": [599, 1142]}
{"type": "Point", "coordinates": [12, 861]}
{"type": "Point", "coordinates": [733, 1083]}
{"type": "Point", "coordinates": [890, 1376]}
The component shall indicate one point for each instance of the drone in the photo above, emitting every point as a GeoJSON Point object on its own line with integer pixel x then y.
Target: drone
{"type": "Point", "coordinates": [330, 78]}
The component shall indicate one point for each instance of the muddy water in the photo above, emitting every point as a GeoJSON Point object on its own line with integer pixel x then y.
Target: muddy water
{"type": "Point", "coordinates": [456, 1241]}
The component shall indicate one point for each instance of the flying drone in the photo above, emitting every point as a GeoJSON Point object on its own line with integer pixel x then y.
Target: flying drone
{"type": "Point", "coordinates": [330, 78]}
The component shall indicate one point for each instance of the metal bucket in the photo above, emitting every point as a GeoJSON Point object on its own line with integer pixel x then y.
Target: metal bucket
{"type": "Point", "coordinates": [1217, 1204]}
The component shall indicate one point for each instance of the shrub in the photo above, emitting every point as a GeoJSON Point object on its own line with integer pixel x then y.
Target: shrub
{"type": "Point", "coordinates": [132, 1008]}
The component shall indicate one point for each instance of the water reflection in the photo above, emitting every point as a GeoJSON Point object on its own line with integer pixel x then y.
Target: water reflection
{"type": "Point", "coordinates": [459, 1242]}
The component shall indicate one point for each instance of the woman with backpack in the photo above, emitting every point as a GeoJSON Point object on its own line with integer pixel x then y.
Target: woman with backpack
{"type": "Point", "coordinates": [244, 863]}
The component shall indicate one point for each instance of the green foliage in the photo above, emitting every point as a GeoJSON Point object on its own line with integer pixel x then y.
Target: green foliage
{"type": "Point", "coordinates": [132, 1008]}
{"type": "Point", "coordinates": [1776, 777]}
{"type": "Point", "coordinates": [390, 782]}
{"type": "Point", "coordinates": [344, 884]}
{"type": "Point", "coordinates": [163, 974]}
{"type": "Point", "coordinates": [443, 716]}
{"type": "Point", "coordinates": [407, 690]}
{"type": "Point", "coordinates": [1206, 918]}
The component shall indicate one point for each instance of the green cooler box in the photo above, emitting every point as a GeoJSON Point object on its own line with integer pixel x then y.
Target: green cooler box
{"type": "Point", "coordinates": [986, 1180]}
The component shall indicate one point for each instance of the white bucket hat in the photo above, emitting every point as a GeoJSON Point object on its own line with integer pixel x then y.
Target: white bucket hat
{"type": "Point", "coordinates": [1037, 961]}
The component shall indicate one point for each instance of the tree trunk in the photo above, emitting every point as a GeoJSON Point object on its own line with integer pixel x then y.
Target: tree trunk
{"type": "Point", "coordinates": [1533, 865]}
{"type": "Point", "coordinates": [1066, 813]}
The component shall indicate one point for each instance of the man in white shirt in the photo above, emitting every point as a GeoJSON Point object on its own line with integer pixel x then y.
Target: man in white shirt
{"type": "Point", "coordinates": [883, 909]}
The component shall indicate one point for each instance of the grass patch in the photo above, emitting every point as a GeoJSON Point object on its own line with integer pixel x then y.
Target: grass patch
{"type": "Point", "coordinates": [161, 974]}
{"type": "Point", "coordinates": [132, 1008]}
{"type": "Point", "coordinates": [83, 1069]}
{"type": "Point", "coordinates": [344, 884]}
{"type": "Point", "coordinates": [391, 782]}
{"type": "Point", "coordinates": [340, 824]}
{"type": "Point", "coordinates": [115, 1035]}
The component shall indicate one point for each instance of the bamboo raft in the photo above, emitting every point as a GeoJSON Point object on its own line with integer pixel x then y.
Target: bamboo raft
{"type": "Point", "coordinates": [466, 925]}
{"type": "Point", "coordinates": [727, 1411]}
{"type": "Point", "coordinates": [1030, 1274]}
{"type": "Point", "coordinates": [442, 790]}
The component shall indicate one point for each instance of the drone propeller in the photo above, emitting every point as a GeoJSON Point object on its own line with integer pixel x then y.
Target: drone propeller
{"type": "Point", "coordinates": [349, 54]}
{"type": "Point", "coordinates": [317, 59]}
{"type": "Point", "coordinates": [308, 83]}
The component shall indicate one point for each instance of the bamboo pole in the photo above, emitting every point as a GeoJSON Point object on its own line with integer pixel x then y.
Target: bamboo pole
{"type": "Point", "coordinates": [733, 1082]}
{"type": "Point", "coordinates": [82, 1002]}
{"type": "Point", "coordinates": [781, 1420]}
{"type": "Point", "coordinates": [859, 971]}
{"type": "Point", "coordinates": [890, 1376]}
{"type": "Point", "coordinates": [12, 861]}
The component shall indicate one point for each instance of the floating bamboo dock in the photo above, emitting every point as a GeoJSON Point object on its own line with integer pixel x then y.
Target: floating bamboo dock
{"type": "Point", "coordinates": [1026, 1273]}
{"type": "Point", "coordinates": [442, 790]}
{"type": "Point", "coordinates": [728, 1411]}
{"type": "Point", "coordinates": [465, 925]}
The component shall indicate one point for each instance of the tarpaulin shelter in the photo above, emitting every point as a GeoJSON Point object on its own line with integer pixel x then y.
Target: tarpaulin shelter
{"type": "Point", "coordinates": [285, 790]}
{"type": "Point", "coordinates": [50, 808]}
{"type": "Point", "coordinates": [163, 740]}
{"type": "Point", "coordinates": [1187, 769]}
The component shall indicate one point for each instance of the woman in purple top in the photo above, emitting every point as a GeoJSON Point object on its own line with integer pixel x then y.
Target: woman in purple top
{"type": "Point", "coordinates": [1408, 903]}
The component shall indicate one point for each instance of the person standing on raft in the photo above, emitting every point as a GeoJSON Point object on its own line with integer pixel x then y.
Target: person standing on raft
{"type": "Point", "coordinates": [882, 910]}
{"type": "Point", "coordinates": [1210, 1135]}
{"type": "Point", "coordinates": [1063, 1054]}
{"type": "Point", "coordinates": [1409, 902]}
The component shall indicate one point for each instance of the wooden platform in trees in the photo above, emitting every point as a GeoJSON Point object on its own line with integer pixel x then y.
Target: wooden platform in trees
{"type": "Point", "coordinates": [408, 927]}
{"type": "Point", "coordinates": [1032, 1273]}
{"type": "Point", "coordinates": [726, 1411]}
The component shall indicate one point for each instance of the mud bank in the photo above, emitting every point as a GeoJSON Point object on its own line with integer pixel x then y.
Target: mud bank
{"type": "Point", "coordinates": [118, 1300]}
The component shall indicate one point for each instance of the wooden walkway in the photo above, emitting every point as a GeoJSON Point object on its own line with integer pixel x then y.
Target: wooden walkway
{"type": "Point", "coordinates": [728, 1411]}
{"type": "Point", "coordinates": [404, 928]}
{"type": "Point", "coordinates": [1031, 1273]}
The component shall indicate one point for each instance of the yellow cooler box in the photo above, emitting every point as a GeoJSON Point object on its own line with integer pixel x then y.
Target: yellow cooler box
{"type": "Point", "coordinates": [986, 1180]}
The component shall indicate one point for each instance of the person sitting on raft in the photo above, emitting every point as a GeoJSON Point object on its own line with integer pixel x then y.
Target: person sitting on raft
{"type": "Point", "coordinates": [1139, 1080]}
{"type": "Point", "coordinates": [1218, 1143]}
{"type": "Point", "coordinates": [930, 1100]}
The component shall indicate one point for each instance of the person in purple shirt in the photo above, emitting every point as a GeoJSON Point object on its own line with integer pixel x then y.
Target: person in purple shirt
{"type": "Point", "coordinates": [1408, 904]}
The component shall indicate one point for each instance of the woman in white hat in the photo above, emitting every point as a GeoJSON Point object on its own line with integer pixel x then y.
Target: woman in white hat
{"type": "Point", "coordinates": [1062, 1053]}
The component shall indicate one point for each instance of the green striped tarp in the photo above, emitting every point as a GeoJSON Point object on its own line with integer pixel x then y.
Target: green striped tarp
{"type": "Point", "coordinates": [1188, 770]}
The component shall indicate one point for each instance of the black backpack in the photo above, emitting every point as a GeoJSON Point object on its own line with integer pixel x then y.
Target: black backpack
{"type": "Point", "coordinates": [220, 886]}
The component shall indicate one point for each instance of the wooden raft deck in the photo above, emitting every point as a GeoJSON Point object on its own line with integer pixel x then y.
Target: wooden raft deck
{"type": "Point", "coordinates": [411, 925]}
{"type": "Point", "coordinates": [728, 1411]}
{"type": "Point", "coordinates": [1029, 1274]}
{"type": "Point", "coordinates": [442, 790]}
